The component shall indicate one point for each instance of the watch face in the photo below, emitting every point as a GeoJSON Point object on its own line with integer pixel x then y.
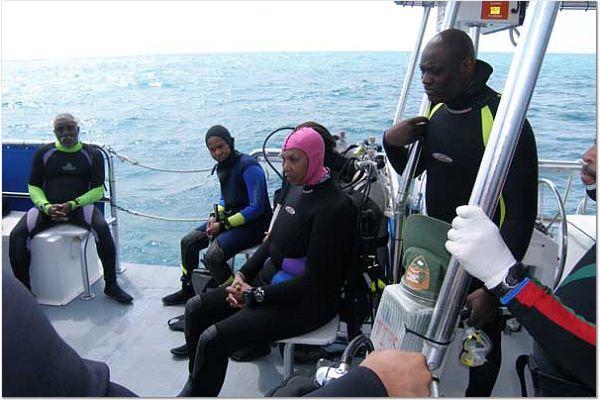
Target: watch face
{"type": "Point", "coordinates": [516, 274]}
{"type": "Point", "coordinates": [259, 295]}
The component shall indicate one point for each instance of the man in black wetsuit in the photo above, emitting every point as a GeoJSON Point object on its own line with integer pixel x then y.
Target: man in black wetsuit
{"type": "Point", "coordinates": [454, 138]}
{"type": "Point", "coordinates": [66, 179]}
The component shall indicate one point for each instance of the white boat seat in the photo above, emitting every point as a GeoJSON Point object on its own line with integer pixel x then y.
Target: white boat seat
{"type": "Point", "coordinates": [57, 262]}
{"type": "Point", "coordinates": [327, 334]}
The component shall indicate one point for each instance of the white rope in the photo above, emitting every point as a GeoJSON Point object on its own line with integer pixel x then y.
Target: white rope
{"type": "Point", "coordinates": [124, 158]}
{"type": "Point", "coordinates": [140, 214]}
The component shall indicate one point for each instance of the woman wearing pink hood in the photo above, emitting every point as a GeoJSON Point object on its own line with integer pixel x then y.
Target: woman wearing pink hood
{"type": "Point", "coordinates": [291, 285]}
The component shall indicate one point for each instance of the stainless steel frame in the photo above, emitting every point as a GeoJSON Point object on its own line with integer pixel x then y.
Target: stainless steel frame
{"type": "Point", "coordinates": [410, 69]}
{"type": "Point", "coordinates": [564, 237]}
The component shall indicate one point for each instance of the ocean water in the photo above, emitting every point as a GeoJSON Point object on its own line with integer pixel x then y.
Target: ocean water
{"type": "Point", "coordinates": [156, 109]}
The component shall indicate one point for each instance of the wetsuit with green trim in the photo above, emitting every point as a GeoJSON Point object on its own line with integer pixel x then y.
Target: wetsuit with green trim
{"type": "Point", "coordinates": [244, 212]}
{"type": "Point", "coordinates": [453, 147]}
{"type": "Point", "coordinates": [304, 240]}
{"type": "Point", "coordinates": [60, 175]}
{"type": "Point", "coordinates": [563, 326]}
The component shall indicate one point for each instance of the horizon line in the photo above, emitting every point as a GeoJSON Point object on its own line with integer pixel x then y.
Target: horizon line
{"type": "Point", "coordinates": [191, 53]}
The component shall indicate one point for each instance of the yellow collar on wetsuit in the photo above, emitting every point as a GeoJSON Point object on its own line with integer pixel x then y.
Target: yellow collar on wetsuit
{"type": "Point", "coordinates": [71, 149]}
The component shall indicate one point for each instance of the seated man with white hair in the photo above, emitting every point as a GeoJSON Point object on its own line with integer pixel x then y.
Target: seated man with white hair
{"type": "Point", "coordinates": [66, 179]}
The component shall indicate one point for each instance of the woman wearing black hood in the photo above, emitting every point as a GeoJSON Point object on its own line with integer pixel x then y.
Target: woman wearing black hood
{"type": "Point", "coordinates": [244, 213]}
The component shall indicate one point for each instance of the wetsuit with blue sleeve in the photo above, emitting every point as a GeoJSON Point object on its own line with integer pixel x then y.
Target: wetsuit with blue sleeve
{"type": "Point", "coordinates": [244, 212]}
{"type": "Point", "coordinates": [453, 146]}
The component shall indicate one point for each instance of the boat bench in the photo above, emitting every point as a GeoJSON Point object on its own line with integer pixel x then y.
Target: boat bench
{"type": "Point", "coordinates": [327, 334]}
{"type": "Point", "coordinates": [247, 253]}
{"type": "Point", "coordinates": [57, 268]}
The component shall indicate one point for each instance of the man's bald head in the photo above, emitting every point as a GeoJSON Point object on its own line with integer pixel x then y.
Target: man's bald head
{"type": "Point", "coordinates": [456, 42]}
{"type": "Point", "coordinates": [447, 65]}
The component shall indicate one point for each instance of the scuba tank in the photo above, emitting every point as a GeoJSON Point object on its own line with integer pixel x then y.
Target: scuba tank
{"type": "Point", "coordinates": [406, 308]}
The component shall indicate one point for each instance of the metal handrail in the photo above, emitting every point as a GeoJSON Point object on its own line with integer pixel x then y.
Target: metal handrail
{"type": "Point", "coordinates": [564, 240]}
{"type": "Point", "coordinates": [560, 165]}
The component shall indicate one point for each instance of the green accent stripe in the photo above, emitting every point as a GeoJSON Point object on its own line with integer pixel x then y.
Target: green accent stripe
{"type": "Point", "coordinates": [502, 210]}
{"type": "Point", "coordinates": [236, 219]}
{"type": "Point", "coordinates": [431, 111]}
{"type": "Point", "coordinates": [38, 196]}
{"type": "Point", "coordinates": [487, 120]}
{"type": "Point", "coordinates": [64, 149]}
{"type": "Point", "coordinates": [91, 196]}
{"type": "Point", "coordinates": [589, 271]}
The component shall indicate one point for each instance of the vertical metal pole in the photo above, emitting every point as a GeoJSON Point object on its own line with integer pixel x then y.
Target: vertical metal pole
{"type": "Point", "coordinates": [410, 69]}
{"type": "Point", "coordinates": [87, 293]}
{"type": "Point", "coordinates": [450, 13]}
{"type": "Point", "coordinates": [495, 164]}
{"type": "Point", "coordinates": [475, 32]}
{"type": "Point", "coordinates": [112, 190]}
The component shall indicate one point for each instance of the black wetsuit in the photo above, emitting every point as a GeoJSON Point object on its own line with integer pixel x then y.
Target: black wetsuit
{"type": "Point", "coordinates": [63, 177]}
{"type": "Point", "coordinates": [36, 361]}
{"type": "Point", "coordinates": [452, 150]}
{"type": "Point", "coordinates": [317, 223]}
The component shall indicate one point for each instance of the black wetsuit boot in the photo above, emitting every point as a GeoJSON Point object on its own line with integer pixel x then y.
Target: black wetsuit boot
{"type": "Point", "coordinates": [180, 296]}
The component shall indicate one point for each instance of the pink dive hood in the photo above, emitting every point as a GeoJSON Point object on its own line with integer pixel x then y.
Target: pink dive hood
{"type": "Point", "coordinates": [311, 143]}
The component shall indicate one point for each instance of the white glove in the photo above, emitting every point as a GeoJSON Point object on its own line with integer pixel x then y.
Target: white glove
{"type": "Point", "coordinates": [476, 242]}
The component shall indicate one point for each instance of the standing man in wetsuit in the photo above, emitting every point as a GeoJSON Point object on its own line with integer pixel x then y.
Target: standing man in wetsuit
{"type": "Point", "coordinates": [454, 138]}
{"type": "Point", "coordinates": [66, 179]}
{"type": "Point", "coordinates": [244, 215]}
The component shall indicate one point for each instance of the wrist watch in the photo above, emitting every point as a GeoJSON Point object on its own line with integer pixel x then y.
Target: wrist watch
{"type": "Point", "coordinates": [259, 294]}
{"type": "Point", "coordinates": [513, 277]}
{"type": "Point", "coordinates": [254, 297]}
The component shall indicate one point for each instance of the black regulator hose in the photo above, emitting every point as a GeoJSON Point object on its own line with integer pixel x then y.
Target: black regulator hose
{"type": "Point", "coordinates": [356, 344]}
{"type": "Point", "coordinates": [264, 148]}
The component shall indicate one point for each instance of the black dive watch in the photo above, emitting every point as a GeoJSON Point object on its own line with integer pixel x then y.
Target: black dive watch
{"type": "Point", "coordinates": [515, 275]}
{"type": "Point", "coordinates": [254, 297]}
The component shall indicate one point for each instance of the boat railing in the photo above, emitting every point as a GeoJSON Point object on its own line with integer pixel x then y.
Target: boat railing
{"type": "Point", "coordinates": [572, 170]}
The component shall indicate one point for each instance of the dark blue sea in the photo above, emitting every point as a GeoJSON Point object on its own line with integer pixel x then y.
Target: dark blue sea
{"type": "Point", "coordinates": [156, 109]}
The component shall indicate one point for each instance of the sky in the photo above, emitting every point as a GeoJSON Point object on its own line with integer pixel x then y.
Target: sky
{"type": "Point", "coordinates": [66, 29]}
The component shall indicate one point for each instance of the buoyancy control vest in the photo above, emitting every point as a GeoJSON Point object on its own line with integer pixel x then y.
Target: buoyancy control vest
{"type": "Point", "coordinates": [233, 187]}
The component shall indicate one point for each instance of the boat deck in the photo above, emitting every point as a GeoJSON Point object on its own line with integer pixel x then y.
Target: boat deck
{"type": "Point", "coordinates": [135, 340]}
